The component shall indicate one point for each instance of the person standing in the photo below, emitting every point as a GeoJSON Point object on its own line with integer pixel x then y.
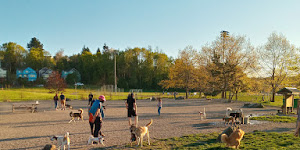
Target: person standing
{"type": "Point", "coordinates": [97, 119]}
{"type": "Point", "coordinates": [91, 118]}
{"type": "Point", "coordinates": [298, 121]}
{"type": "Point", "coordinates": [131, 108]}
{"type": "Point", "coordinates": [90, 98]}
{"type": "Point", "coordinates": [55, 98]}
{"type": "Point", "coordinates": [159, 105]}
{"type": "Point", "coordinates": [62, 101]}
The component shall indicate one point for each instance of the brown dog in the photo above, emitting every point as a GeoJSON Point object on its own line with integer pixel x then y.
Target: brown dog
{"type": "Point", "coordinates": [227, 120]}
{"type": "Point", "coordinates": [234, 140]}
{"type": "Point", "coordinates": [140, 132]}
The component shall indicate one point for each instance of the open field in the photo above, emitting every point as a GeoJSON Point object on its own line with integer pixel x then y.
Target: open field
{"type": "Point", "coordinates": [24, 130]}
{"type": "Point", "coordinates": [27, 94]}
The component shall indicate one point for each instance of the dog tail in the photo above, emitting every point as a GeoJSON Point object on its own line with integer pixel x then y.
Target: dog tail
{"type": "Point", "coordinates": [149, 123]}
{"type": "Point", "coordinates": [71, 114]}
{"type": "Point", "coordinates": [224, 138]}
{"type": "Point", "coordinates": [81, 111]}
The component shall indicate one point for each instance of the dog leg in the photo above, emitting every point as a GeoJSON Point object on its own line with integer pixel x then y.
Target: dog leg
{"type": "Point", "coordinates": [71, 120]}
{"type": "Point", "coordinates": [141, 141]}
{"type": "Point", "coordinates": [148, 138]}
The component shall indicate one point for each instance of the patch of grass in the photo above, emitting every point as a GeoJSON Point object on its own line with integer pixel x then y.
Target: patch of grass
{"type": "Point", "coordinates": [275, 118]}
{"type": "Point", "coordinates": [26, 94]}
{"type": "Point", "coordinates": [253, 141]}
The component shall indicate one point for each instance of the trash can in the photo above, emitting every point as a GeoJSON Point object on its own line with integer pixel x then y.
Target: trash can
{"type": "Point", "coordinates": [296, 103]}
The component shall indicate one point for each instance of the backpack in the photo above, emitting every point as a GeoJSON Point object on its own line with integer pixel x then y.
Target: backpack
{"type": "Point", "coordinates": [94, 107]}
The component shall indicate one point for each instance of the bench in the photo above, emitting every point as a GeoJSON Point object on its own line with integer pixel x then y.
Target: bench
{"type": "Point", "coordinates": [25, 106]}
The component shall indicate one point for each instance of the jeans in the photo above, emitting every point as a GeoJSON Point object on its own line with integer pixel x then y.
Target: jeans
{"type": "Point", "coordinates": [159, 110]}
{"type": "Point", "coordinates": [55, 103]}
{"type": "Point", "coordinates": [92, 128]}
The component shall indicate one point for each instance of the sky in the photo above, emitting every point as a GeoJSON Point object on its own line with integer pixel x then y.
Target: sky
{"type": "Point", "coordinates": [166, 25]}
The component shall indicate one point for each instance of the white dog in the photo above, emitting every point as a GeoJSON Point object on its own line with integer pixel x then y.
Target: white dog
{"type": "Point", "coordinates": [202, 114]}
{"type": "Point", "coordinates": [62, 141]}
{"type": "Point", "coordinates": [99, 139]}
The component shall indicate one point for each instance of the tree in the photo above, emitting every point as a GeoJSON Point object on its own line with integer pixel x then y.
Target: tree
{"type": "Point", "coordinates": [225, 57]}
{"type": "Point", "coordinates": [55, 83]}
{"type": "Point", "coordinates": [35, 43]}
{"type": "Point", "coordinates": [13, 56]}
{"type": "Point", "coordinates": [274, 56]}
{"type": "Point", "coordinates": [183, 74]}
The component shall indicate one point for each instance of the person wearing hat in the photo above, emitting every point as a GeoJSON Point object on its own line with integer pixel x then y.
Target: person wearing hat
{"type": "Point", "coordinates": [97, 117]}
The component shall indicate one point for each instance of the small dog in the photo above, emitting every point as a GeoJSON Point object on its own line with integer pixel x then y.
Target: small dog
{"type": "Point", "coordinates": [202, 114]}
{"type": "Point", "coordinates": [234, 140]}
{"type": "Point", "coordinates": [99, 139]}
{"type": "Point", "coordinates": [228, 119]}
{"type": "Point", "coordinates": [62, 141]}
{"type": "Point", "coordinates": [78, 115]}
{"type": "Point", "coordinates": [140, 132]}
{"type": "Point", "coordinates": [69, 106]}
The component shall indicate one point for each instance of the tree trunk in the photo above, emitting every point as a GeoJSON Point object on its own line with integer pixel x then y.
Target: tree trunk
{"type": "Point", "coordinates": [236, 95]}
{"type": "Point", "coordinates": [186, 93]}
{"type": "Point", "coordinates": [273, 95]}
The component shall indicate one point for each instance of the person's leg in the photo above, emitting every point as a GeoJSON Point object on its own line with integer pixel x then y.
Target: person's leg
{"type": "Point", "coordinates": [97, 127]}
{"type": "Point", "coordinates": [136, 120]}
{"type": "Point", "coordinates": [129, 121]}
{"type": "Point", "coordinates": [92, 128]}
{"type": "Point", "coordinates": [55, 103]}
{"type": "Point", "coordinates": [159, 110]}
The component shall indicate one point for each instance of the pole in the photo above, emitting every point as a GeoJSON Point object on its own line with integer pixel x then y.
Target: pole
{"type": "Point", "coordinates": [115, 73]}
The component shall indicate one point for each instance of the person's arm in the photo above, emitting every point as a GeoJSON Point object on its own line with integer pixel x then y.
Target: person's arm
{"type": "Point", "coordinates": [96, 114]}
{"type": "Point", "coordinates": [126, 104]}
{"type": "Point", "coordinates": [135, 107]}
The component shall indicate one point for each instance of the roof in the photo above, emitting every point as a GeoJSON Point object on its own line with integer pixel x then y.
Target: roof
{"type": "Point", "coordinates": [290, 90]}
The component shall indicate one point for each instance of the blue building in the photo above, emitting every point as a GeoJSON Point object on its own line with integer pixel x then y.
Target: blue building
{"type": "Point", "coordinates": [27, 73]}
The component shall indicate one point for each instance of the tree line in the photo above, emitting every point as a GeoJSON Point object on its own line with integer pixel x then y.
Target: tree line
{"type": "Point", "coordinates": [227, 65]}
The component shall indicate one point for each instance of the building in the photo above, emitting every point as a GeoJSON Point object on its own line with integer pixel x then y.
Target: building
{"type": "Point", "coordinates": [45, 73]}
{"type": "Point", "coordinates": [64, 74]}
{"type": "Point", "coordinates": [2, 72]}
{"type": "Point", "coordinates": [27, 73]}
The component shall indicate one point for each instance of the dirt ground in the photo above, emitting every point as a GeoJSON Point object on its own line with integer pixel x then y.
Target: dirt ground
{"type": "Point", "coordinates": [25, 130]}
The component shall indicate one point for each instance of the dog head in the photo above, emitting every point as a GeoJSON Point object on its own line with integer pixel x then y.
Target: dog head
{"type": "Point", "coordinates": [238, 134]}
{"type": "Point", "coordinates": [53, 138]}
{"type": "Point", "coordinates": [132, 128]}
{"type": "Point", "coordinates": [81, 111]}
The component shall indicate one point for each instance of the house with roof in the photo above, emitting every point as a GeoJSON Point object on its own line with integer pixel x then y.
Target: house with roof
{"type": "Point", "coordinates": [27, 73]}
{"type": "Point", "coordinates": [2, 72]}
{"type": "Point", "coordinates": [45, 73]}
{"type": "Point", "coordinates": [64, 74]}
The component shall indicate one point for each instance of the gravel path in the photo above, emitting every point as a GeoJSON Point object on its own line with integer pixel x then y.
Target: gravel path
{"type": "Point", "coordinates": [24, 130]}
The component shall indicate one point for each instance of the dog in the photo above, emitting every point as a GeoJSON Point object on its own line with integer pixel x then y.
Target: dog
{"type": "Point", "coordinates": [234, 140]}
{"type": "Point", "coordinates": [202, 114]}
{"type": "Point", "coordinates": [228, 119]}
{"type": "Point", "coordinates": [99, 139]}
{"type": "Point", "coordinates": [69, 106]}
{"type": "Point", "coordinates": [140, 132]}
{"type": "Point", "coordinates": [78, 115]}
{"type": "Point", "coordinates": [62, 141]}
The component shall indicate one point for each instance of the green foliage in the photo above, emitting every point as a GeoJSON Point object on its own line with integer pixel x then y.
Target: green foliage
{"type": "Point", "coordinates": [285, 119]}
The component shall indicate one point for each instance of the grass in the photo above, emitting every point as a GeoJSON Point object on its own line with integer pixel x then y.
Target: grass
{"type": "Point", "coordinates": [26, 94]}
{"type": "Point", "coordinates": [275, 118]}
{"type": "Point", "coordinates": [253, 141]}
